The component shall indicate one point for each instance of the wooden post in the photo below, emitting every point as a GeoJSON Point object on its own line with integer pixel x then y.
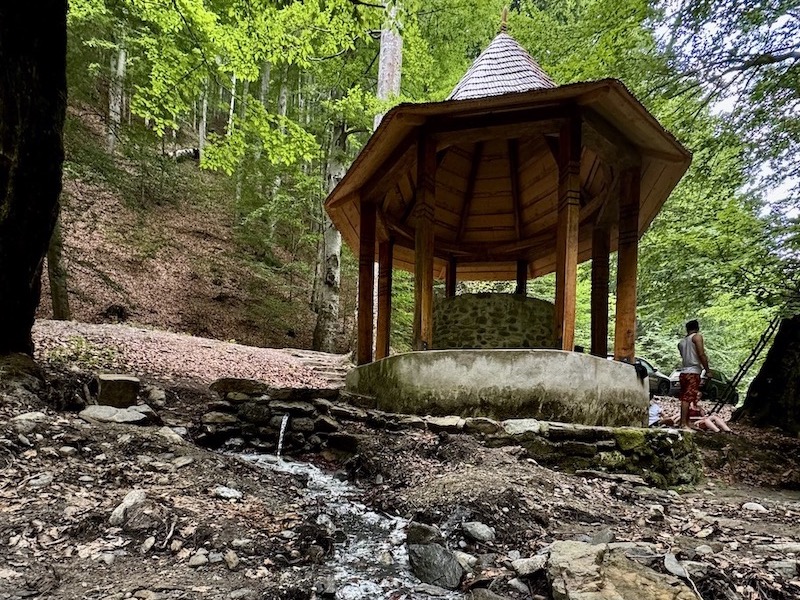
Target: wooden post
{"type": "Point", "coordinates": [522, 277]}
{"type": "Point", "coordinates": [627, 263]}
{"type": "Point", "coordinates": [424, 212]}
{"type": "Point", "coordinates": [385, 252]}
{"type": "Point", "coordinates": [599, 301]}
{"type": "Point", "coordinates": [366, 282]}
{"type": "Point", "coordinates": [450, 284]}
{"type": "Point", "coordinates": [569, 195]}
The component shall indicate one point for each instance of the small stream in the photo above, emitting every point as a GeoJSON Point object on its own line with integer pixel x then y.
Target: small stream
{"type": "Point", "coordinates": [371, 561]}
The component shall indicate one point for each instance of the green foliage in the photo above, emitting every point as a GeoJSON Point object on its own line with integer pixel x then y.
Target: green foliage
{"type": "Point", "coordinates": [79, 352]}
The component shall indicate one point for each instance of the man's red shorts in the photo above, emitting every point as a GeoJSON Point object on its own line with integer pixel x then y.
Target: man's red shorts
{"type": "Point", "coordinates": [690, 387]}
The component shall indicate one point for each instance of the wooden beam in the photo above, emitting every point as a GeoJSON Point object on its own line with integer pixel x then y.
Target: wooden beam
{"type": "Point", "coordinates": [569, 196]}
{"type": "Point", "coordinates": [627, 263]}
{"type": "Point", "coordinates": [399, 161]}
{"type": "Point", "coordinates": [385, 252]}
{"type": "Point", "coordinates": [494, 120]}
{"type": "Point", "coordinates": [424, 212]}
{"type": "Point", "coordinates": [608, 142]}
{"type": "Point", "coordinates": [599, 301]}
{"type": "Point", "coordinates": [471, 135]}
{"type": "Point", "coordinates": [513, 167]}
{"type": "Point", "coordinates": [366, 282]}
{"type": "Point", "coordinates": [450, 284]}
{"type": "Point", "coordinates": [522, 277]}
{"type": "Point", "coordinates": [477, 154]}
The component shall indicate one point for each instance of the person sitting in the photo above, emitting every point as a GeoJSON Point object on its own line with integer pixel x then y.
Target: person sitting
{"type": "Point", "coordinates": [656, 417]}
{"type": "Point", "coordinates": [699, 419]}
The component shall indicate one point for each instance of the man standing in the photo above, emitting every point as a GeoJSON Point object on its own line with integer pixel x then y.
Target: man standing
{"type": "Point", "coordinates": [693, 355]}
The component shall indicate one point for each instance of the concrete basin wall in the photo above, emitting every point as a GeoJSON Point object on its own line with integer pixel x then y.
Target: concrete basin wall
{"type": "Point", "coordinates": [551, 385]}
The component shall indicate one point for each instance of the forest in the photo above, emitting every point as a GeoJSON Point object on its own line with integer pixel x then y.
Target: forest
{"type": "Point", "coordinates": [276, 99]}
{"type": "Point", "coordinates": [178, 312]}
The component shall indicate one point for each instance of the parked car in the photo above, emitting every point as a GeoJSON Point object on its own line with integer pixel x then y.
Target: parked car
{"type": "Point", "coordinates": [659, 383]}
{"type": "Point", "coordinates": [712, 389]}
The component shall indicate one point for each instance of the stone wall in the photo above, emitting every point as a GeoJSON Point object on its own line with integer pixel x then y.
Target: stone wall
{"type": "Point", "coordinates": [486, 321]}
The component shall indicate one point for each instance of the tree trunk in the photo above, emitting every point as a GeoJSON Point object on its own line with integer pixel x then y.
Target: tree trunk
{"type": "Point", "coordinates": [390, 62]}
{"type": "Point", "coordinates": [328, 291]}
{"type": "Point", "coordinates": [57, 275]}
{"type": "Point", "coordinates": [201, 134]}
{"type": "Point", "coordinates": [115, 96]}
{"type": "Point", "coordinates": [232, 109]}
{"type": "Point", "coordinates": [773, 398]}
{"type": "Point", "coordinates": [33, 94]}
{"type": "Point", "coordinates": [241, 166]}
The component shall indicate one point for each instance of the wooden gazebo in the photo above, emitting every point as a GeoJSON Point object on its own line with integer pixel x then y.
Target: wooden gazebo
{"type": "Point", "coordinates": [512, 177]}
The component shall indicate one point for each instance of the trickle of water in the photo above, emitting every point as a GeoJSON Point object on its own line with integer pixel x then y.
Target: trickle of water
{"type": "Point", "coordinates": [284, 422]}
{"type": "Point", "coordinates": [372, 561]}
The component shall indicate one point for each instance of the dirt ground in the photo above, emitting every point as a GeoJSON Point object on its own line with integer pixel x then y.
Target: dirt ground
{"type": "Point", "coordinates": [62, 477]}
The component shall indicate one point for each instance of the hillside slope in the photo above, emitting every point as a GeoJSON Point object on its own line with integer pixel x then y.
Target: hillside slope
{"type": "Point", "coordinates": [163, 252]}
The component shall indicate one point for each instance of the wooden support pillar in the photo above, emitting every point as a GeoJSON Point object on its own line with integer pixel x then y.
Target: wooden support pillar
{"type": "Point", "coordinates": [450, 284]}
{"type": "Point", "coordinates": [569, 194]}
{"type": "Point", "coordinates": [424, 213]}
{"type": "Point", "coordinates": [627, 264]}
{"type": "Point", "coordinates": [522, 277]}
{"type": "Point", "coordinates": [366, 282]}
{"type": "Point", "coordinates": [599, 301]}
{"type": "Point", "coordinates": [385, 252]}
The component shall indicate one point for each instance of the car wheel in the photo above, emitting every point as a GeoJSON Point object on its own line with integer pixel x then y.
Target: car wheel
{"type": "Point", "coordinates": [663, 388]}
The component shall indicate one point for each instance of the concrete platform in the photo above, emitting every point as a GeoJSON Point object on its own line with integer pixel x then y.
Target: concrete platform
{"type": "Point", "coordinates": [551, 385]}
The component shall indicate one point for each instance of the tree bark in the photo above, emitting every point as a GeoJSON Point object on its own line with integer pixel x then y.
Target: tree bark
{"type": "Point", "coordinates": [33, 93]}
{"type": "Point", "coordinates": [327, 294]}
{"type": "Point", "coordinates": [773, 398]}
{"type": "Point", "coordinates": [115, 96]}
{"type": "Point", "coordinates": [57, 275]}
{"type": "Point", "coordinates": [202, 130]}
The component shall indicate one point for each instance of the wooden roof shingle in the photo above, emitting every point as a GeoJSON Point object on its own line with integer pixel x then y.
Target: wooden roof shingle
{"type": "Point", "coordinates": [504, 67]}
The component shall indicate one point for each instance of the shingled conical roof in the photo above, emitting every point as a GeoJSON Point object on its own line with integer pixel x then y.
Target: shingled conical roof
{"type": "Point", "coordinates": [503, 68]}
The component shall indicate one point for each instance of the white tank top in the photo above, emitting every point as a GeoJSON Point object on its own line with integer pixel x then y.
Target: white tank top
{"type": "Point", "coordinates": [691, 360]}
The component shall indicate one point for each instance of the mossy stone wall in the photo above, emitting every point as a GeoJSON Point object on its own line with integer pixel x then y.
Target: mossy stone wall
{"type": "Point", "coordinates": [491, 321]}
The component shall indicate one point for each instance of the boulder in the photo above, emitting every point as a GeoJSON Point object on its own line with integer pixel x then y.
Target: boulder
{"type": "Point", "coordinates": [420, 533]}
{"type": "Point", "coordinates": [451, 424]}
{"type": "Point", "coordinates": [435, 564]}
{"type": "Point", "coordinates": [119, 391]}
{"type": "Point", "coordinates": [478, 531]}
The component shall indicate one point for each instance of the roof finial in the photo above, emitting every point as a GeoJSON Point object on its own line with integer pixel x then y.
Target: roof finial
{"type": "Point", "coordinates": [504, 20]}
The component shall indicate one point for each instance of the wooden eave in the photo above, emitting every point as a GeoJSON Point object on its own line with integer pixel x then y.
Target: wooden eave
{"type": "Point", "coordinates": [384, 171]}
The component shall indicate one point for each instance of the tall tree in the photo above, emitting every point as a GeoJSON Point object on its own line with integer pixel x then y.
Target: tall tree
{"type": "Point", "coordinates": [33, 94]}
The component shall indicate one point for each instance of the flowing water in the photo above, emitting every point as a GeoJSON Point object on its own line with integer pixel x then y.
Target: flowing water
{"type": "Point", "coordinates": [369, 559]}
{"type": "Point", "coordinates": [284, 422]}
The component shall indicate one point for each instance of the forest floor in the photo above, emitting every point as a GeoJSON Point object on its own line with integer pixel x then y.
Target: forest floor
{"type": "Point", "coordinates": [213, 525]}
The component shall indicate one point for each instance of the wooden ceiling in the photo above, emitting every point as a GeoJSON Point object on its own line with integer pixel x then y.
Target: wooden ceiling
{"type": "Point", "coordinates": [496, 184]}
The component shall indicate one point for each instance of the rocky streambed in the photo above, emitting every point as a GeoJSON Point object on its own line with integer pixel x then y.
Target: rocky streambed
{"type": "Point", "coordinates": [377, 506]}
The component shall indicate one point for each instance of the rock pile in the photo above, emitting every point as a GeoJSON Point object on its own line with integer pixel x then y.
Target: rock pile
{"type": "Point", "coordinates": [250, 415]}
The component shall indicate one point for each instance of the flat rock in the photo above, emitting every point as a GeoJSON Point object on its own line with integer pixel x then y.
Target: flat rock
{"type": "Point", "coordinates": [754, 507]}
{"type": "Point", "coordinates": [520, 426]}
{"type": "Point", "coordinates": [451, 424]}
{"type": "Point", "coordinates": [482, 425]}
{"type": "Point", "coordinates": [529, 566]}
{"type": "Point", "coordinates": [248, 387]}
{"type": "Point", "coordinates": [110, 414]}
{"type": "Point", "coordinates": [218, 418]}
{"type": "Point", "coordinates": [295, 409]}
{"type": "Point", "coordinates": [484, 594]}
{"type": "Point", "coordinates": [170, 434]}
{"type": "Point", "coordinates": [227, 493]}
